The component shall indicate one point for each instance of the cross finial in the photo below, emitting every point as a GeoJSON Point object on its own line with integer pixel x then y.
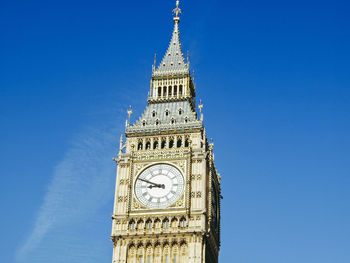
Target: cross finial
{"type": "Point", "coordinates": [200, 106]}
{"type": "Point", "coordinates": [129, 112]}
{"type": "Point", "coordinates": [177, 11]}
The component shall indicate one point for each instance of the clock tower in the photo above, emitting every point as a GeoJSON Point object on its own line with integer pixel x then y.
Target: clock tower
{"type": "Point", "coordinates": [167, 197]}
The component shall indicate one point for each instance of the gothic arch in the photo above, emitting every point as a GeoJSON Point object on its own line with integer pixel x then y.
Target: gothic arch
{"type": "Point", "coordinates": [183, 253]}
{"type": "Point", "coordinates": [179, 142]}
{"type": "Point", "coordinates": [155, 144]}
{"type": "Point", "coordinates": [163, 143]}
{"type": "Point", "coordinates": [157, 223]}
{"type": "Point", "coordinates": [183, 222]}
{"type": "Point", "coordinates": [157, 253]}
{"type": "Point", "coordinates": [131, 253]}
{"type": "Point", "coordinates": [140, 224]}
{"type": "Point", "coordinates": [148, 145]}
{"type": "Point", "coordinates": [132, 224]}
{"type": "Point", "coordinates": [187, 142]}
{"type": "Point", "coordinates": [166, 253]}
{"type": "Point", "coordinates": [171, 143]}
{"type": "Point", "coordinates": [174, 222]}
{"type": "Point", "coordinates": [165, 223]}
{"type": "Point", "coordinates": [169, 91]}
{"type": "Point", "coordinates": [149, 224]}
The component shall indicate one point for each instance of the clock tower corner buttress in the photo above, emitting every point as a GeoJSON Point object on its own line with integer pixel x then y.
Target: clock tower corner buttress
{"type": "Point", "coordinates": [167, 195]}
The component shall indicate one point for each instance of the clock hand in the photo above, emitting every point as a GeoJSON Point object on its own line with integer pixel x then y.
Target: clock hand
{"type": "Point", "coordinates": [146, 181]}
{"type": "Point", "coordinates": [158, 185]}
{"type": "Point", "coordinates": [154, 184]}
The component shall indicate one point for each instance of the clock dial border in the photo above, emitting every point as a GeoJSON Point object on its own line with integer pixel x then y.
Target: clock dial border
{"type": "Point", "coordinates": [170, 202]}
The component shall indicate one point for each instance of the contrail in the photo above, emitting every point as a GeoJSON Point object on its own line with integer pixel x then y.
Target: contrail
{"type": "Point", "coordinates": [82, 182]}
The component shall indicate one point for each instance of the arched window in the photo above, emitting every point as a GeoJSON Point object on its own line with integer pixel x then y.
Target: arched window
{"type": "Point", "coordinates": [131, 253]}
{"type": "Point", "coordinates": [149, 224]}
{"type": "Point", "coordinates": [186, 120]}
{"type": "Point", "coordinates": [166, 223]}
{"type": "Point", "coordinates": [175, 91]}
{"type": "Point", "coordinates": [157, 223]}
{"type": "Point", "coordinates": [139, 146]}
{"type": "Point", "coordinates": [175, 251]}
{"type": "Point", "coordinates": [148, 145]}
{"type": "Point", "coordinates": [166, 254]}
{"type": "Point", "coordinates": [174, 222]}
{"type": "Point", "coordinates": [179, 142]}
{"type": "Point", "coordinates": [148, 253]}
{"type": "Point", "coordinates": [183, 222]}
{"type": "Point", "coordinates": [186, 143]}
{"type": "Point", "coordinates": [154, 113]}
{"type": "Point", "coordinates": [163, 144]}
{"type": "Point", "coordinates": [169, 91]}
{"type": "Point", "coordinates": [144, 123]}
{"type": "Point", "coordinates": [164, 91]}
{"type": "Point", "coordinates": [159, 91]}
{"type": "Point", "coordinates": [157, 122]}
{"type": "Point", "coordinates": [172, 121]}
{"type": "Point", "coordinates": [132, 225]}
{"type": "Point", "coordinates": [140, 224]}
{"type": "Point", "coordinates": [171, 143]}
{"type": "Point", "coordinates": [180, 111]}
{"type": "Point", "coordinates": [167, 112]}
{"type": "Point", "coordinates": [155, 145]}
{"type": "Point", "coordinates": [184, 251]}
{"type": "Point", "coordinates": [180, 90]}
{"type": "Point", "coordinates": [157, 253]}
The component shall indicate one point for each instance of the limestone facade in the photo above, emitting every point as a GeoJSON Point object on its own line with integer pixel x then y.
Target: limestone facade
{"type": "Point", "coordinates": [188, 229]}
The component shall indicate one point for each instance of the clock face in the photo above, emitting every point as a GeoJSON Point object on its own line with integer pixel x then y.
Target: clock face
{"type": "Point", "coordinates": [159, 186]}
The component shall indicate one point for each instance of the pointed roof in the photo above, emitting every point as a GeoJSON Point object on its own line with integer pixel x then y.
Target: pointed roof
{"type": "Point", "coordinates": [166, 116]}
{"type": "Point", "coordinates": [173, 61]}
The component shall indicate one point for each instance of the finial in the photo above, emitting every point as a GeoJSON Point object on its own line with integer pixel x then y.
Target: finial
{"type": "Point", "coordinates": [154, 62]}
{"type": "Point", "coordinates": [129, 113]}
{"type": "Point", "coordinates": [200, 107]}
{"type": "Point", "coordinates": [177, 11]}
{"type": "Point", "coordinates": [211, 145]}
{"type": "Point", "coordinates": [121, 144]}
{"type": "Point", "coordinates": [188, 59]}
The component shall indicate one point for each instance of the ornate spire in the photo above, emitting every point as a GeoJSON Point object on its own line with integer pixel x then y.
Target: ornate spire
{"type": "Point", "coordinates": [173, 61]}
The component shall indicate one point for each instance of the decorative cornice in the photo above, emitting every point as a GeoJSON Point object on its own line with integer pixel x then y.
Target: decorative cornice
{"type": "Point", "coordinates": [163, 128]}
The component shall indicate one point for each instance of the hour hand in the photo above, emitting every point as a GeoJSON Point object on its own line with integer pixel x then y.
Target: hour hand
{"type": "Point", "coordinates": [157, 185]}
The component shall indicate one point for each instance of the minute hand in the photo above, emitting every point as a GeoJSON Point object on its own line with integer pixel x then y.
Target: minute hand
{"type": "Point", "coordinates": [146, 181]}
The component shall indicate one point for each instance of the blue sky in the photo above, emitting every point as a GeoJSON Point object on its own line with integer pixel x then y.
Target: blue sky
{"type": "Point", "coordinates": [274, 79]}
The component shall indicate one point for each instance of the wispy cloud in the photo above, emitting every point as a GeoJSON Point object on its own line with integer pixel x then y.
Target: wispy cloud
{"type": "Point", "coordinates": [81, 184]}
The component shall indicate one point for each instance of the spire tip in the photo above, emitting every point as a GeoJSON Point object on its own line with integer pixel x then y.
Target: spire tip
{"type": "Point", "coordinates": [177, 11]}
